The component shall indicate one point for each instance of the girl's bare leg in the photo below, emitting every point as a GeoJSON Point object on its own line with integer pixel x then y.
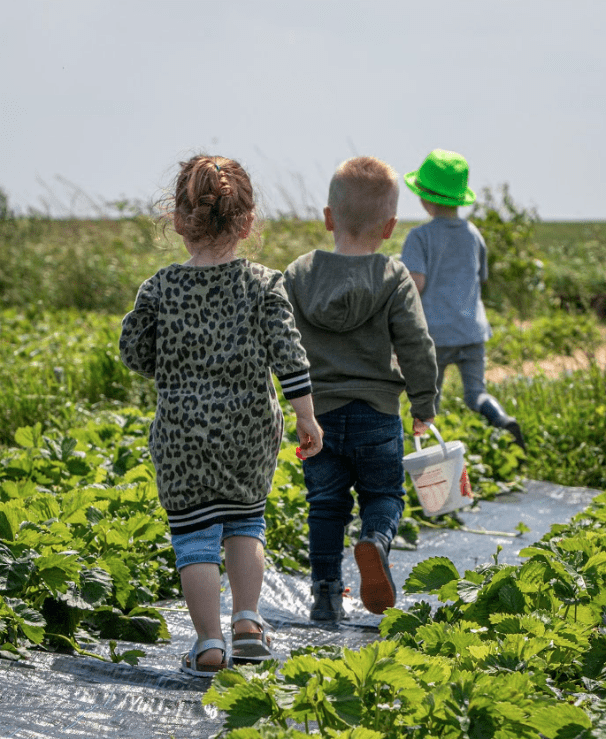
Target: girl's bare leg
{"type": "Point", "coordinates": [202, 590]}
{"type": "Point", "coordinates": [244, 563]}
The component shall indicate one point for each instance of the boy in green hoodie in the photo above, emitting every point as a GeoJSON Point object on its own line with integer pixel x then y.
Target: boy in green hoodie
{"type": "Point", "coordinates": [366, 338]}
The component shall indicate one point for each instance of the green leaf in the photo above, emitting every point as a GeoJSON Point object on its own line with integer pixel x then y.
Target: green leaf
{"type": "Point", "coordinates": [95, 586]}
{"type": "Point", "coordinates": [468, 591]}
{"type": "Point", "coordinates": [511, 598]}
{"type": "Point", "coordinates": [14, 573]}
{"type": "Point", "coordinates": [120, 575]}
{"type": "Point", "coordinates": [594, 661]}
{"type": "Point", "coordinates": [20, 489]}
{"type": "Point", "coordinates": [298, 669]}
{"type": "Point", "coordinates": [430, 575]}
{"type": "Point", "coordinates": [94, 590]}
{"type": "Point", "coordinates": [11, 652]}
{"type": "Point", "coordinates": [29, 437]}
{"type": "Point", "coordinates": [140, 473]}
{"type": "Point", "coordinates": [73, 506]}
{"type": "Point", "coordinates": [506, 624]}
{"type": "Point", "coordinates": [144, 625]}
{"type": "Point", "coordinates": [533, 572]}
{"type": "Point", "coordinates": [344, 701]}
{"type": "Point", "coordinates": [363, 663]}
{"type": "Point", "coordinates": [269, 732]}
{"type": "Point", "coordinates": [56, 570]}
{"type": "Point", "coordinates": [130, 656]}
{"type": "Point", "coordinates": [30, 621]}
{"type": "Point", "coordinates": [449, 592]}
{"type": "Point", "coordinates": [433, 636]}
{"type": "Point", "coordinates": [594, 561]}
{"type": "Point", "coordinates": [395, 621]}
{"type": "Point", "coordinates": [359, 732]}
{"type": "Point", "coordinates": [245, 704]}
{"type": "Point", "coordinates": [11, 516]}
{"type": "Point", "coordinates": [558, 717]}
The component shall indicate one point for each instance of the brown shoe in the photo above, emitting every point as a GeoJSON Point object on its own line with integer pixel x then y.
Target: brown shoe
{"type": "Point", "coordinates": [377, 589]}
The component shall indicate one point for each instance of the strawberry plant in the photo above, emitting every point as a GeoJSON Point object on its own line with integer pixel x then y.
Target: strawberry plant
{"type": "Point", "coordinates": [84, 546]}
{"type": "Point", "coordinates": [513, 651]}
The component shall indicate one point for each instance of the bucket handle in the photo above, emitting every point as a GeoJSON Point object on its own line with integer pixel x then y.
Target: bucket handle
{"type": "Point", "coordinates": [438, 436]}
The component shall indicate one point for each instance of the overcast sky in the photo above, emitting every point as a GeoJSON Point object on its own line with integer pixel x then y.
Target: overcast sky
{"type": "Point", "coordinates": [109, 94]}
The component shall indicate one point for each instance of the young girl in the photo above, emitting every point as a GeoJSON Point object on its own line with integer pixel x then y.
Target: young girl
{"type": "Point", "coordinates": [210, 332]}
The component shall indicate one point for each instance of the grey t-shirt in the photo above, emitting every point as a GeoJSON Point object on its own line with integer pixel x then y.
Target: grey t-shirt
{"type": "Point", "coordinates": [451, 253]}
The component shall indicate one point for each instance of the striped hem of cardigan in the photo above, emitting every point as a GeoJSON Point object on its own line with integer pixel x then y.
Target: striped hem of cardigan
{"type": "Point", "coordinates": [295, 384]}
{"type": "Point", "coordinates": [208, 514]}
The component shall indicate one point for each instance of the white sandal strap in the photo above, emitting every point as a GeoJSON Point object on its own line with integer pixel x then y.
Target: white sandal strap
{"type": "Point", "coordinates": [204, 645]}
{"type": "Point", "coordinates": [247, 615]}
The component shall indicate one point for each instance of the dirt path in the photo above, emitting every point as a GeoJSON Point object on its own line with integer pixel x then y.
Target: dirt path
{"type": "Point", "coordinates": [551, 367]}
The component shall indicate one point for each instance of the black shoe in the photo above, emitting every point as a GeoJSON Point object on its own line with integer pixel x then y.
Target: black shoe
{"type": "Point", "coordinates": [328, 601]}
{"type": "Point", "coordinates": [377, 589]}
{"type": "Point", "coordinates": [514, 429]}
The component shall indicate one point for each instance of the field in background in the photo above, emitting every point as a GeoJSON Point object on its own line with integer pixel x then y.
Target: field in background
{"type": "Point", "coordinates": [64, 286]}
{"type": "Point", "coordinates": [98, 265]}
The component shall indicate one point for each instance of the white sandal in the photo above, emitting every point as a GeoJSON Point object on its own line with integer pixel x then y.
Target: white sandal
{"type": "Point", "coordinates": [250, 646]}
{"type": "Point", "coordinates": [200, 669]}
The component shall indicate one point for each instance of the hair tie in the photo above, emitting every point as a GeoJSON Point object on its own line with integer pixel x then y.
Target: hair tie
{"type": "Point", "coordinates": [218, 167]}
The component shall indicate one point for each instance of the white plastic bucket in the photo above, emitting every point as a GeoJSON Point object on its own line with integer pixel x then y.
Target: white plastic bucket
{"type": "Point", "coordinates": [439, 475]}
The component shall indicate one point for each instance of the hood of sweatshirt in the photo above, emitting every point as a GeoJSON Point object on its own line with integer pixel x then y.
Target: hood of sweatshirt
{"type": "Point", "coordinates": [339, 293]}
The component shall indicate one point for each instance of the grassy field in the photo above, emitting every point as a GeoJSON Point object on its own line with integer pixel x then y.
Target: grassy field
{"type": "Point", "coordinates": [64, 285]}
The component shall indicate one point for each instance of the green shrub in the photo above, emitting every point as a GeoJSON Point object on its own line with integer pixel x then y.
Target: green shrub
{"type": "Point", "coordinates": [564, 424]}
{"type": "Point", "coordinates": [556, 333]}
{"type": "Point", "coordinates": [575, 267]}
{"type": "Point", "coordinates": [515, 269]}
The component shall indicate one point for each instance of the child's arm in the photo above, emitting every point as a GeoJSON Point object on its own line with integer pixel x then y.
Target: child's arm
{"type": "Point", "coordinates": [414, 349]}
{"type": "Point", "coordinates": [138, 335]}
{"type": "Point", "coordinates": [309, 432]}
{"type": "Point", "coordinates": [289, 362]}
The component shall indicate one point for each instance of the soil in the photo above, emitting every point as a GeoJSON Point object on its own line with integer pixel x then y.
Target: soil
{"type": "Point", "coordinates": [550, 367]}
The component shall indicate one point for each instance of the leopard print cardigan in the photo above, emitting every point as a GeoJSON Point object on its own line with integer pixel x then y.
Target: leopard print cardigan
{"type": "Point", "coordinates": [210, 337]}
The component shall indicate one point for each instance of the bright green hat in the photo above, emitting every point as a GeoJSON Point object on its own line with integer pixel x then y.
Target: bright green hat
{"type": "Point", "coordinates": [442, 179]}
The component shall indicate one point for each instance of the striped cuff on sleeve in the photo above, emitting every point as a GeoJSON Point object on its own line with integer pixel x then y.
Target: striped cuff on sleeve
{"type": "Point", "coordinates": [295, 384]}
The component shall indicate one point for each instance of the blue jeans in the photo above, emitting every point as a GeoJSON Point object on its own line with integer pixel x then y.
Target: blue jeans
{"type": "Point", "coordinates": [471, 362]}
{"type": "Point", "coordinates": [363, 450]}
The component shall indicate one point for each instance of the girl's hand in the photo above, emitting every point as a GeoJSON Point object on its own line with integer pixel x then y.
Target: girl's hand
{"type": "Point", "coordinates": [310, 437]}
{"type": "Point", "coordinates": [420, 427]}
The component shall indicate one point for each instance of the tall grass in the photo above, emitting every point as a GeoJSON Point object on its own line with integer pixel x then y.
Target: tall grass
{"type": "Point", "coordinates": [57, 367]}
{"type": "Point", "coordinates": [564, 421]}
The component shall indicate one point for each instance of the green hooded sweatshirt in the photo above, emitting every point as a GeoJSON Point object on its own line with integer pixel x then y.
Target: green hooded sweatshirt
{"type": "Point", "coordinates": [364, 331]}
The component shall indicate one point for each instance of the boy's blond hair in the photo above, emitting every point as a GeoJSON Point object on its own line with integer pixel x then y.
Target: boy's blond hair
{"type": "Point", "coordinates": [363, 195]}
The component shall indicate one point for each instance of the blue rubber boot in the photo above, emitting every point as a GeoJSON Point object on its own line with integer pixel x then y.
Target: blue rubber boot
{"type": "Point", "coordinates": [491, 409]}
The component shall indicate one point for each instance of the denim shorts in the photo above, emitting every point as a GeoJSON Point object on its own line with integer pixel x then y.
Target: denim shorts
{"type": "Point", "coordinates": [205, 545]}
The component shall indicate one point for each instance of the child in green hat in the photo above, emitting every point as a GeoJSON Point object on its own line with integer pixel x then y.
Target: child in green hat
{"type": "Point", "coordinates": [446, 258]}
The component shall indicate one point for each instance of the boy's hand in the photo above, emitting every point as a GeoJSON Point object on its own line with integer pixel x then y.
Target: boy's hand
{"type": "Point", "coordinates": [310, 437]}
{"type": "Point", "coordinates": [420, 427]}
